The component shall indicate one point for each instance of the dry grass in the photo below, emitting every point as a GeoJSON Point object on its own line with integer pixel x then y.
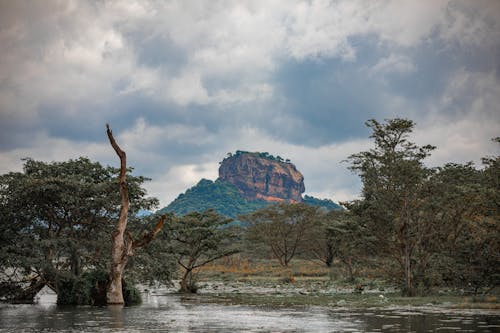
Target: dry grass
{"type": "Point", "coordinates": [314, 277]}
{"type": "Point", "coordinates": [239, 268]}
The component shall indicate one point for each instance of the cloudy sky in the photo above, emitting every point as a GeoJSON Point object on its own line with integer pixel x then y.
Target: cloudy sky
{"type": "Point", "coordinates": [184, 82]}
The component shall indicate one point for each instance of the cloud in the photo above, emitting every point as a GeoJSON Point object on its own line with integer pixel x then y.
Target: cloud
{"type": "Point", "coordinates": [184, 82]}
{"type": "Point", "coordinates": [464, 119]}
{"type": "Point", "coordinates": [179, 178]}
{"type": "Point", "coordinates": [471, 24]}
{"type": "Point", "coordinates": [398, 64]}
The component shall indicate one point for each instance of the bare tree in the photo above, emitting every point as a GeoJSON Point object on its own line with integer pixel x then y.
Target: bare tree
{"type": "Point", "coordinates": [124, 245]}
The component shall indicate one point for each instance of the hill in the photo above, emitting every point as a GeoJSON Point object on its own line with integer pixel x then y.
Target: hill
{"type": "Point", "coordinates": [247, 182]}
{"type": "Point", "coordinates": [222, 196]}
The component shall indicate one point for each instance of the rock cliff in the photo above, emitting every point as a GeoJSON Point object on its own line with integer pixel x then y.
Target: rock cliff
{"type": "Point", "coordinates": [262, 176]}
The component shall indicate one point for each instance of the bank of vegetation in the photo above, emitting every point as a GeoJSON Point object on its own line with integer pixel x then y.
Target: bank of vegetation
{"type": "Point", "coordinates": [416, 228]}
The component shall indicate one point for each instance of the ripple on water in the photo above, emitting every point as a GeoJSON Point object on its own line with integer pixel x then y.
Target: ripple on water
{"type": "Point", "coordinates": [189, 314]}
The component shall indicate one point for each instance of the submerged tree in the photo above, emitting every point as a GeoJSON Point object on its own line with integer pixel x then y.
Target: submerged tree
{"type": "Point", "coordinates": [198, 239]}
{"type": "Point", "coordinates": [123, 244]}
{"type": "Point", "coordinates": [55, 222]}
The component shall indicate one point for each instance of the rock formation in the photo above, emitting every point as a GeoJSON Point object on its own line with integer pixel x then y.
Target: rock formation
{"type": "Point", "coordinates": [262, 176]}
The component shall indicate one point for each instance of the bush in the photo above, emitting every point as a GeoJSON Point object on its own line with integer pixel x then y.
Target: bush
{"type": "Point", "coordinates": [99, 282]}
{"type": "Point", "coordinates": [131, 295]}
{"type": "Point", "coordinates": [90, 289]}
{"type": "Point", "coordinates": [73, 290]}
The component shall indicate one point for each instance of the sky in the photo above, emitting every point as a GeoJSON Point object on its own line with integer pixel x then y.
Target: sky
{"type": "Point", "coordinates": [182, 83]}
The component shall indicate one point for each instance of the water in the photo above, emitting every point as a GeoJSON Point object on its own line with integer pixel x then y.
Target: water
{"type": "Point", "coordinates": [175, 313]}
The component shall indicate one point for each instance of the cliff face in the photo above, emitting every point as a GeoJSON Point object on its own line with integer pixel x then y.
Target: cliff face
{"type": "Point", "coordinates": [266, 178]}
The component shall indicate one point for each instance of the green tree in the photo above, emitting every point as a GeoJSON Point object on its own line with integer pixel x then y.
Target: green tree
{"type": "Point", "coordinates": [321, 245]}
{"type": "Point", "coordinates": [284, 229]}
{"type": "Point", "coordinates": [393, 177]}
{"type": "Point", "coordinates": [465, 203]}
{"type": "Point", "coordinates": [153, 263]}
{"type": "Point", "coordinates": [197, 239]}
{"type": "Point", "coordinates": [55, 221]}
{"type": "Point", "coordinates": [349, 239]}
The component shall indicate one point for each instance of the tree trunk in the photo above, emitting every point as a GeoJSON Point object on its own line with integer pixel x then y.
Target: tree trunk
{"type": "Point", "coordinates": [409, 289]}
{"type": "Point", "coordinates": [114, 294]}
{"type": "Point", "coordinates": [118, 255]}
{"type": "Point", "coordinates": [123, 245]}
{"type": "Point", "coordinates": [329, 256]}
{"type": "Point", "coordinates": [184, 281]}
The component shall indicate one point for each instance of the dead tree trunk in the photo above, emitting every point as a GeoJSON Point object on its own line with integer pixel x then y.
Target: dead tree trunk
{"type": "Point", "coordinates": [123, 245]}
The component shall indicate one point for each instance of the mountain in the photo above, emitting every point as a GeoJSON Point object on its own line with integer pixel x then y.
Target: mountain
{"type": "Point", "coordinates": [263, 176]}
{"type": "Point", "coordinates": [247, 181]}
{"type": "Point", "coordinates": [222, 196]}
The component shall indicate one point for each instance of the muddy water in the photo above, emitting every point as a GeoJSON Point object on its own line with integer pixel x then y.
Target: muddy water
{"type": "Point", "coordinates": [174, 313]}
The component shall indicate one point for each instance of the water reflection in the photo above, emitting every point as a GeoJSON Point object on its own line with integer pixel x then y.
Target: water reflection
{"type": "Point", "coordinates": [177, 313]}
{"type": "Point", "coordinates": [116, 315]}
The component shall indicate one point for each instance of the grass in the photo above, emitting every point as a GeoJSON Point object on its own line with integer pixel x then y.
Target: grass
{"type": "Point", "coordinates": [302, 273]}
{"type": "Point", "coordinates": [306, 283]}
{"type": "Point", "coordinates": [352, 301]}
{"type": "Point", "coordinates": [240, 268]}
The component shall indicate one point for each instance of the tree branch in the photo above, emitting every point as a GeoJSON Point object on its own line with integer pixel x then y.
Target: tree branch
{"type": "Point", "coordinates": [147, 238]}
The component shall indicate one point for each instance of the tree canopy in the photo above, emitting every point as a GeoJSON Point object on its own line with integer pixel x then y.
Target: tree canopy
{"type": "Point", "coordinates": [56, 219]}
{"type": "Point", "coordinates": [197, 239]}
{"type": "Point", "coordinates": [423, 217]}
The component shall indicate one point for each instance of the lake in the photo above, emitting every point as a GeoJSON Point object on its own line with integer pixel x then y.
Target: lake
{"type": "Point", "coordinates": [178, 313]}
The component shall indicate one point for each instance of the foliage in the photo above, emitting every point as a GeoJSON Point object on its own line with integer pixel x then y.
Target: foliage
{"type": "Point", "coordinates": [350, 239]}
{"type": "Point", "coordinates": [341, 237]}
{"type": "Point", "coordinates": [226, 199]}
{"type": "Point", "coordinates": [282, 228]}
{"type": "Point", "coordinates": [73, 290]}
{"type": "Point", "coordinates": [155, 262]}
{"type": "Point", "coordinates": [434, 225]}
{"type": "Point", "coordinates": [469, 214]}
{"type": "Point", "coordinates": [394, 179]}
{"type": "Point", "coordinates": [424, 227]}
{"type": "Point", "coordinates": [221, 196]}
{"type": "Point", "coordinates": [56, 219]}
{"type": "Point", "coordinates": [264, 155]}
{"type": "Point", "coordinates": [327, 204]}
{"type": "Point", "coordinates": [321, 246]}
{"type": "Point", "coordinates": [197, 239]}
{"type": "Point", "coordinates": [90, 289]}
{"type": "Point", "coordinates": [131, 295]}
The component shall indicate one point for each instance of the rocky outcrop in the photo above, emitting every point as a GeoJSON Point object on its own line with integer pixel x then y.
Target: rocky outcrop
{"type": "Point", "coordinates": [262, 176]}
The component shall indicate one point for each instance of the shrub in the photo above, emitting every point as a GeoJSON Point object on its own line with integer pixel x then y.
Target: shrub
{"type": "Point", "coordinates": [90, 289]}
{"type": "Point", "coordinates": [73, 290]}
{"type": "Point", "coordinates": [131, 295]}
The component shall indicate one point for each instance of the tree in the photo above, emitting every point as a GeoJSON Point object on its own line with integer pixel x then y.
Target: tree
{"type": "Point", "coordinates": [197, 239]}
{"type": "Point", "coordinates": [393, 177]}
{"type": "Point", "coordinates": [282, 228]}
{"type": "Point", "coordinates": [349, 238]}
{"type": "Point", "coordinates": [467, 201]}
{"type": "Point", "coordinates": [155, 262]}
{"type": "Point", "coordinates": [55, 222]}
{"type": "Point", "coordinates": [321, 246]}
{"type": "Point", "coordinates": [123, 244]}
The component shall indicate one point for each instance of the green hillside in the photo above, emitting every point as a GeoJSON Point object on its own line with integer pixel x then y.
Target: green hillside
{"type": "Point", "coordinates": [325, 203]}
{"type": "Point", "coordinates": [220, 195]}
{"type": "Point", "coordinates": [225, 198]}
